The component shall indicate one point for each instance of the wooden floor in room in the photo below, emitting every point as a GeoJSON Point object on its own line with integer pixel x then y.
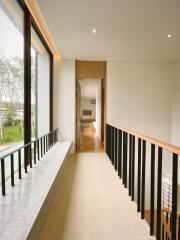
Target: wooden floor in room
{"type": "Point", "coordinates": [89, 141]}
{"type": "Point", "coordinates": [91, 203]}
{"type": "Point", "coordinates": [147, 218]}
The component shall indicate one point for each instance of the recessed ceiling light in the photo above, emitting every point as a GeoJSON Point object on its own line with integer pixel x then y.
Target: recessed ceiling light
{"type": "Point", "coordinates": [169, 35]}
{"type": "Point", "coordinates": [94, 31]}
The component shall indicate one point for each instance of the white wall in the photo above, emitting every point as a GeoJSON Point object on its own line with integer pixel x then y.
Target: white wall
{"type": "Point", "coordinates": [139, 97]}
{"type": "Point", "coordinates": [87, 105]}
{"type": "Point", "coordinates": [64, 98]}
{"type": "Point", "coordinates": [98, 109]}
{"type": "Point", "coordinates": [175, 138]}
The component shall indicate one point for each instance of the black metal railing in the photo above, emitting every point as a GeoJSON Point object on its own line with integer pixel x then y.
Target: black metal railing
{"type": "Point", "coordinates": [33, 152]}
{"type": "Point", "coordinates": [121, 149]}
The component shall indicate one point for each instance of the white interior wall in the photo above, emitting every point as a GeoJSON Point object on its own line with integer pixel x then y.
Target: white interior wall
{"type": "Point", "coordinates": [98, 109]}
{"type": "Point", "coordinates": [87, 105]}
{"type": "Point", "coordinates": [43, 73]}
{"type": "Point", "coordinates": [175, 138]}
{"type": "Point", "coordinates": [139, 97]}
{"type": "Point", "coordinates": [64, 98]}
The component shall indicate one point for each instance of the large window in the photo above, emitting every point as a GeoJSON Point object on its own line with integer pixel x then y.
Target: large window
{"type": "Point", "coordinates": [40, 85]}
{"type": "Point", "coordinates": [12, 127]}
{"type": "Point", "coordinates": [24, 77]}
{"type": "Point", "coordinates": [24, 82]}
{"type": "Point", "coordinates": [11, 74]}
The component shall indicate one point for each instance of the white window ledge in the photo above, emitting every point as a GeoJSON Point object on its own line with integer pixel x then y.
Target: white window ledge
{"type": "Point", "coordinates": [22, 203]}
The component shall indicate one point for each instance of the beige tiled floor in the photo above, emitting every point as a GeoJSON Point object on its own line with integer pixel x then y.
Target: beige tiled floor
{"type": "Point", "coordinates": [92, 204]}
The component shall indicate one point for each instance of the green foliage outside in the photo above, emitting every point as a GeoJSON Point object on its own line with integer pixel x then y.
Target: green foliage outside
{"type": "Point", "coordinates": [12, 134]}
{"type": "Point", "coordinates": [12, 97]}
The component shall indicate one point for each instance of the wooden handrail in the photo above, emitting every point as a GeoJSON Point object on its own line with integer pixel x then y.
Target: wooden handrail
{"type": "Point", "coordinates": [168, 147]}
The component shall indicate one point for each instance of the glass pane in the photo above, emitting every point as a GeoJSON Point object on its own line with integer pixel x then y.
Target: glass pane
{"type": "Point", "coordinates": [33, 93]}
{"type": "Point", "coordinates": [11, 74]}
{"type": "Point", "coordinates": [40, 86]}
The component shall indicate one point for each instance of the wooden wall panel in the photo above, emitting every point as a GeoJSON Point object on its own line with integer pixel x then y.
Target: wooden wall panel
{"type": "Point", "coordinates": [90, 70]}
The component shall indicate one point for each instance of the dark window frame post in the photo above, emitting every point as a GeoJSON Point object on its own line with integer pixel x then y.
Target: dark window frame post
{"type": "Point", "coordinates": [27, 82]}
{"type": "Point", "coordinates": [28, 23]}
{"type": "Point", "coordinates": [51, 92]}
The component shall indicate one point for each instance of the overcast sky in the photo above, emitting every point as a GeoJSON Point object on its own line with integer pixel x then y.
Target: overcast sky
{"type": "Point", "coordinates": [11, 40]}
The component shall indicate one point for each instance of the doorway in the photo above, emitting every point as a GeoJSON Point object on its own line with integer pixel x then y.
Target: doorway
{"type": "Point", "coordinates": [90, 105]}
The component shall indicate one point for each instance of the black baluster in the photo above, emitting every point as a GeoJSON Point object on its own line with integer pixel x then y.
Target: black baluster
{"type": "Point", "coordinates": [38, 150]}
{"type": "Point", "coordinates": [3, 177]}
{"type": "Point", "coordinates": [107, 139]}
{"type": "Point", "coordinates": [124, 156]}
{"type": "Point", "coordinates": [30, 154]}
{"type": "Point", "coordinates": [56, 136]}
{"type": "Point", "coordinates": [130, 162]}
{"type": "Point", "coordinates": [152, 189]}
{"type": "Point", "coordinates": [116, 144]}
{"type": "Point", "coordinates": [174, 195]}
{"type": "Point", "coordinates": [159, 180]}
{"type": "Point", "coordinates": [41, 148]}
{"type": "Point", "coordinates": [44, 145]}
{"type": "Point", "coordinates": [113, 145]}
{"type": "Point", "coordinates": [50, 140]}
{"type": "Point", "coordinates": [12, 170]}
{"type": "Point", "coordinates": [19, 163]}
{"type": "Point", "coordinates": [35, 152]}
{"type": "Point", "coordinates": [125, 160]}
{"type": "Point", "coordinates": [143, 180]}
{"type": "Point", "coordinates": [139, 177]}
{"type": "Point", "coordinates": [25, 159]}
{"type": "Point", "coordinates": [120, 154]}
{"type": "Point", "coordinates": [133, 166]}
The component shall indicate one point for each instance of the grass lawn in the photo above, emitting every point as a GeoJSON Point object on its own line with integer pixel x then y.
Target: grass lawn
{"type": "Point", "coordinates": [11, 135]}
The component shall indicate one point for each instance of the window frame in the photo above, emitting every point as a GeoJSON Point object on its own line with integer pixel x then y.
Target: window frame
{"type": "Point", "coordinates": [29, 22]}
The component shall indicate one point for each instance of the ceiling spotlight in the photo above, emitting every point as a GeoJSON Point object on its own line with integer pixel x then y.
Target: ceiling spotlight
{"type": "Point", "coordinates": [169, 35]}
{"type": "Point", "coordinates": [94, 31]}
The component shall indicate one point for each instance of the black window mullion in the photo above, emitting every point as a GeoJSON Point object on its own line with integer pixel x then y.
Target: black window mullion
{"type": "Point", "coordinates": [27, 82]}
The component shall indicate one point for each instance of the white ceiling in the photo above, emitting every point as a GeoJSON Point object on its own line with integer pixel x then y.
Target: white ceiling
{"type": "Point", "coordinates": [127, 30]}
{"type": "Point", "coordinates": [89, 88]}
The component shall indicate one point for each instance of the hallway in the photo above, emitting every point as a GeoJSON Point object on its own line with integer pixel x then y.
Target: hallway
{"type": "Point", "coordinates": [90, 203]}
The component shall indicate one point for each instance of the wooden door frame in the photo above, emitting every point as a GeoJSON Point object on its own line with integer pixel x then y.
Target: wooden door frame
{"type": "Point", "coordinates": [101, 75]}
